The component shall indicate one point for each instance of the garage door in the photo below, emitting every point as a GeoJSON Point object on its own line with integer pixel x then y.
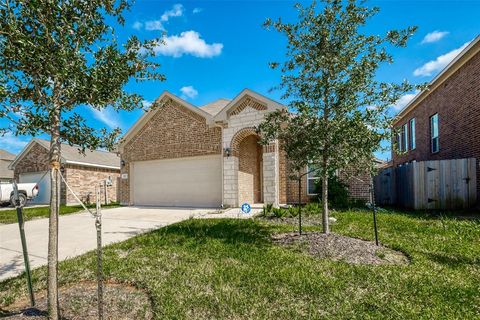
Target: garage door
{"type": "Point", "coordinates": [183, 182]}
{"type": "Point", "coordinates": [43, 196]}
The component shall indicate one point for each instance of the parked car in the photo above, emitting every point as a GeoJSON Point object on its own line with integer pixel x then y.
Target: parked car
{"type": "Point", "coordinates": [26, 191]}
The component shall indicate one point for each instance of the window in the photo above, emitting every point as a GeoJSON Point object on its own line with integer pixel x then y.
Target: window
{"type": "Point", "coordinates": [434, 133]}
{"type": "Point", "coordinates": [312, 181]}
{"type": "Point", "coordinates": [412, 134]}
{"type": "Point", "coordinates": [399, 142]}
{"type": "Point", "coordinates": [405, 137]}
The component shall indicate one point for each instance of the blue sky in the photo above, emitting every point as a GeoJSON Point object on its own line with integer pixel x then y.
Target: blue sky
{"type": "Point", "coordinates": [217, 48]}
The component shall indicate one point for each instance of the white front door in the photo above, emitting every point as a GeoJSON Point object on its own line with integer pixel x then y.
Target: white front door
{"type": "Point", "coordinates": [183, 182]}
{"type": "Point", "coordinates": [43, 196]}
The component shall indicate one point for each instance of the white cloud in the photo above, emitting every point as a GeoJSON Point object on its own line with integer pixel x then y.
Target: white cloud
{"type": "Point", "coordinates": [197, 10]}
{"type": "Point", "coordinates": [108, 116]}
{"type": "Point", "coordinates": [404, 100]}
{"type": "Point", "coordinates": [137, 25]}
{"type": "Point", "coordinates": [188, 92]}
{"type": "Point", "coordinates": [153, 25]}
{"type": "Point", "coordinates": [12, 143]}
{"type": "Point", "coordinates": [439, 63]}
{"type": "Point", "coordinates": [176, 11]}
{"type": "Point", "coordinates": [188, 42]}
{"type": "Point", "coordinates": [146, 104]}
{"type": "Point", "coordinates": [434, 36]}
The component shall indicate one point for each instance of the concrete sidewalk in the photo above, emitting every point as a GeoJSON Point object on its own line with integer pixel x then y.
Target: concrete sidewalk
{"type": "Point", "coordinates": [77, 233]}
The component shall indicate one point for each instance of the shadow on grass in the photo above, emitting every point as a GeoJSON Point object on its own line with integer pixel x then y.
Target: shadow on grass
{"type": "Point", "coordinates": [452, 261]}
{"type": "Point", "coordinates": [470, 214]}
{"type": "Point", "coordinates": [230, 231]}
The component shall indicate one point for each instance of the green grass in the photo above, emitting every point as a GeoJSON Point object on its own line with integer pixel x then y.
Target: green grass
{"type": "Point", "coordinates": [10, 216]}
{"type": "Point", "coordinates": [229, 269]}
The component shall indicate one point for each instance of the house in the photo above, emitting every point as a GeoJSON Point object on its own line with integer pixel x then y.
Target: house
{"type": "Point", "coordinates": [83, 172]}
{"type": "Point", "coordinates": [178, 154]}
{"type": "Point", "coordinates": [6, 174]}
{"type": "Point", "coordinates": [443, 121]}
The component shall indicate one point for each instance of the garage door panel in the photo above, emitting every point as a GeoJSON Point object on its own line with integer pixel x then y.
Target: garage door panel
{"type": "Point", "coordinates": [43, 196]}
{"type": "Point", "coordinates": [187, 182]}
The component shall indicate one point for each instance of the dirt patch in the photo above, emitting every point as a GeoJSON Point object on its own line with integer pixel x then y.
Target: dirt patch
{"type": "Point", "coordinates": [79, 301]}
{"type": "Point", "coordinates": [340, 248]}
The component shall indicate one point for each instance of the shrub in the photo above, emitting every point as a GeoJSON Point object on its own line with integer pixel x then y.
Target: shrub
{"type": "Point", "coordinates": [338, 194]}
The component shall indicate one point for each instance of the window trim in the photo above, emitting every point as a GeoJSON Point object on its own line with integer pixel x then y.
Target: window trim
{"type": "Point", "coordinates": [307, 182]}
{"type": "Point", "coordinates": [405, 137]}
{"type": "Point", "coordinates": [413, 127]}
{"type": "Point", "coordinates": [431, 133]}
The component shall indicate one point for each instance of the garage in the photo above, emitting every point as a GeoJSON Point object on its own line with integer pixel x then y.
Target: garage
{"type": "Point", "coordinates": [182, 182]}
{"type": "Point", "coordinates": [43, 196]}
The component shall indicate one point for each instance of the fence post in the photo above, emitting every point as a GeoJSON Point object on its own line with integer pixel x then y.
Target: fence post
{"type": "Point", "coordinates": [21, 226]}
{"type": "Point", "coordinates": [98, 226]}
{"type": "Point", "coordinates": [374, 208]}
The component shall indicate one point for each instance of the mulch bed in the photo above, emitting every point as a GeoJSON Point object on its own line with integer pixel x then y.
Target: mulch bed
{"type": "Point", "coordinates": [79, 301]}
{"type": "Point", "coordinates": [340, 248]}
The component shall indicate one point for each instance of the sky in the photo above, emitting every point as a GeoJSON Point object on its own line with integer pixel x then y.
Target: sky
{"type": "Point", "coordinates": [215, 49]}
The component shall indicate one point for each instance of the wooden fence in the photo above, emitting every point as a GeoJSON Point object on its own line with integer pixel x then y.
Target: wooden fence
{"type": "Point", "coordinates": [439, 184]}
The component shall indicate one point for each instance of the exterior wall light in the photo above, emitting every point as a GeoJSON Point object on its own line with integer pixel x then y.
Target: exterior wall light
{"type": "Point", "coordinates": [227, 152]}
{"type": "Point", "coordinates": [122, 163]}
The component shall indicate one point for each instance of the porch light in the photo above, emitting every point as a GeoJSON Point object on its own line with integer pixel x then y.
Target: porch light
{"type": "Point", "coordinates": [122, 163]}
{"type": "Point", "coordinates": [227, 152]}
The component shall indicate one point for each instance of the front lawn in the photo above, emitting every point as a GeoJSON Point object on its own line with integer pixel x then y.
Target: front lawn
{"type": "Point", "coordinates": [230, 269]}
{"type": "Point", "coordinates": [10, 216]}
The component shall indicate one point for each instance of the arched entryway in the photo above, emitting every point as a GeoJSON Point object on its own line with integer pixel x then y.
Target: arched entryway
{"type": "Point", "coordinates": [250, 170]}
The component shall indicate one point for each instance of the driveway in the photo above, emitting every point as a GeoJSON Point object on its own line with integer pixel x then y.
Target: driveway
{"type": "Point", "coordinates": [77, 233]}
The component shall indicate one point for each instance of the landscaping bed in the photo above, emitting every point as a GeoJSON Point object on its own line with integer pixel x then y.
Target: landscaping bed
{"type": "Point", "coordinates": [79, 301]}
{"type": "Point", "coordinates": [340, 248]}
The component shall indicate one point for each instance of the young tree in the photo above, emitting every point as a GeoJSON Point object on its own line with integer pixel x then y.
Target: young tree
{"type": "Point", "coordinates": [56, 55]}
{"type": "Point", "coordinates": [330, 79]}
{"type": "Point", "coordinates": [295, 141]}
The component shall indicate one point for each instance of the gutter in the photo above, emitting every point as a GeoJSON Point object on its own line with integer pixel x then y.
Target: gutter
{"type": "Point", "coordinates": [86, 164]}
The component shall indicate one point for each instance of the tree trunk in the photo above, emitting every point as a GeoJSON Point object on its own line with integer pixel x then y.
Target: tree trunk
{"type": "Point", "coordinates": [326, 227]}
{"type": "Point", "coordinates": [53, 306]}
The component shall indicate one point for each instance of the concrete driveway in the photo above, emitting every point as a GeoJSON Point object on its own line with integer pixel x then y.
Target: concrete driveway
{"type": "Point", "coordinates": [77, 233]}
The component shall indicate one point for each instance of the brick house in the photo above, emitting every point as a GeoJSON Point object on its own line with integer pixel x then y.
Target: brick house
{"type": "Point", "coordinates": [82, 172]}
{"type": "Point", "coordinates": [6, 158]}
{"type": "Point", "coordinates": [177, 154]}
{"type": "Point", "coordinates": [443, 122]}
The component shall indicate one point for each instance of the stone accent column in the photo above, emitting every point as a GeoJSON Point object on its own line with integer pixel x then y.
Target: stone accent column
{"type": "Point", "coordinates": [270, 174]}
{"type": "Point", "coordinates": [230, 181]}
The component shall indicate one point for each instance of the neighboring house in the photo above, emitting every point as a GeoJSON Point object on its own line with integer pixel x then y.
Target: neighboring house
{"type": "Point", "coordinates": [6, 158]}
{"type": "Point", "coordinates": [83, 172]}
{"type": "Point", "coordinates": [181, 155]}
{"type": "Point", "coordinates": [443, 121]}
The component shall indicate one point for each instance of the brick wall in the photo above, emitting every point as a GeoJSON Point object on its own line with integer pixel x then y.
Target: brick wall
{"type": "Point", "coordinates": [36, 159]}
{"type": "Point", "coordinates": [173, 132]}
{"type": "Point", "coordinates": [83, 181]}
{"type": "Point", "coordinates": [457, 102]}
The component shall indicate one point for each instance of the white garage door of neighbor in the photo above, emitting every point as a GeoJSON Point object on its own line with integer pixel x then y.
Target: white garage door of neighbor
{"type": "Point", "coordinates": [183, 182]}
{"type": "Point", "coordinates": [43, 196]}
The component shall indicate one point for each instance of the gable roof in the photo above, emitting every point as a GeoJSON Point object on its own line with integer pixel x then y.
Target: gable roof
{"type": "Point", "coordinates": [5, 155]}
{"type": "Point", "coordinates": [152, 111]}
{"type": "Point", "coordinates": [72, 155]}
{"type": "Point", "coordinates": [216, 106]}
{"type": "Point", "coordinates": [470, 51]}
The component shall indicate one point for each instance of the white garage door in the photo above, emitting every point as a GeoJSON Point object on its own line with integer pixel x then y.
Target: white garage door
{"type": "Point", "coordinates": [43, 196]}
{"type": "Point", "coordinates": [183, 182]}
